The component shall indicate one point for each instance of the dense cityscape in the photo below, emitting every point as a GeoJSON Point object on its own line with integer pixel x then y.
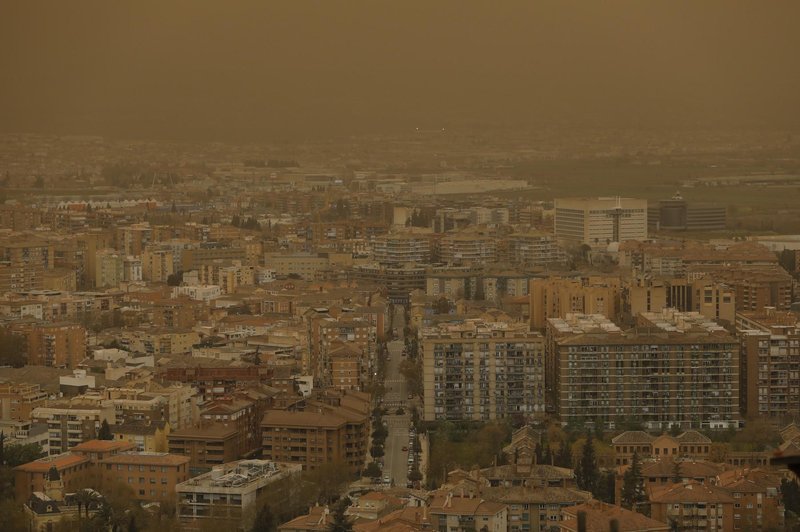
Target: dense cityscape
{"type": "Point", "coordinates": [408, 266]}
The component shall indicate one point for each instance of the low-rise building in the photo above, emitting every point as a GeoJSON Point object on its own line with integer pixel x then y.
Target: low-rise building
{"type": "Point", "coordinates": [206, 445]}
{"type": "Point", "coordinates": [452, 513]}
{"type": "Point", "coordinates": [228, 490]}
{"type": "Point", "coordinates": [151, 476]}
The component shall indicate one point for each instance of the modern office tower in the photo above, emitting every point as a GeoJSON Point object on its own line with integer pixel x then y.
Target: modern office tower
{"type": "Point", "coordinates": [478, 370]}
{"type": "Point", "coordinates": [679, 215]}
{"type": "Point", "coordinates": [600, 221]}
{"type": "Point", "coordinates": [672, 369]}
{"type": "Point", "coordinates": [770, 378]}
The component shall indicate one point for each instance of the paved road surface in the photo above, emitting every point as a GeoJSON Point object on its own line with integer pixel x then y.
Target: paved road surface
{"type": "Point", "coordinates": [395, 459]}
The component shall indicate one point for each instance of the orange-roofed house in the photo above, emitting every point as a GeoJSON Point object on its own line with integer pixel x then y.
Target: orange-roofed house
{"type": "Point", "coordinates": [317, 519]}
{"type": "Point", "coordinates": [96, 450]}
{"type": "Point", "coordinates": [373, 505]}
{"type": "Point", "coordinates": [599, 516]}
{"type": "Point", "coordinates": [75, 471]}
{"type": "Point", "coordinates": [410, 519]}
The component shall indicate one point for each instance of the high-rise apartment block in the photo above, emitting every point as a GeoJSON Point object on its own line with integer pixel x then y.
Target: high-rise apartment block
{"type": "Point", "coordinates": [770, 376]}
{"type": "Point", "coordinates": [600, 221]}
{"type": "Point", "coordinates": [672, 369]}
{"type": "Point", "coordinates": [480, 370]}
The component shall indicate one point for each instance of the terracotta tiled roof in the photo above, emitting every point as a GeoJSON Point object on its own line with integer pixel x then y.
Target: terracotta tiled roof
{"type": "Point", "coordinates": [60, 462]}
{"type": "Point", "coordinates": [633, 437]}
{"type": "Point", "coordinates": [157, 459]}
{"type": "Point", "coordinates": [692, 436]}
{"type": "Point", "coordinates": [102, 446]}
{"type": "Point", "coordinates": [688, 468]}
{"type": "Point", "coordinates": [690, 492]}
{"type": "Point", "coordinates": [599, 516]}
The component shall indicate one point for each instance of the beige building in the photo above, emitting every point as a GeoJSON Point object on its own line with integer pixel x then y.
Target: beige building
{"type": "Point", "coordinates": [158, 265]}
{"type": "Point", "coordinates": [479, 370]}
{"type": "Point", "coordinates": [109, 269]}
{"type": "Point", "coordinates": [770, 374]}
{"type": "Point", "coordinates": [600, 221]}
{"type": "Point", "coordinates": [675, 368]}
{"type": "Point", "coordinates": [18, 400]}
{"type": "Point", "coordinates": [555, 297]}
{"type": "Point", "coordinates": [227, 491]}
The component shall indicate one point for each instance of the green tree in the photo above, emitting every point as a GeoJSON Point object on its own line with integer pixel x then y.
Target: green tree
{"type": "Point", "coordinates": [790, 492]}
{"type": "Point", "coordinates": [105, 431]}
{"type": "Point", "coordinates": [376, 451]}
{"type": "Point", "coordinates": [604, 491]}
{"type": "Point", "coordinates": [677, 476]}
{"type": "Point", "coordinates": [587, 472]}
{"type": "Point", "coordinates": [340, 522]}
{"type": "Point", "coordinates": [633, 494]}
{"type": "Point", "coordinates": [264, 521]}
{"type": "Point", "coordinates": [17, 454]}
{"type": "Point", "coordinates": [415, 475]}
{"type": "Point", "coordinates": [12, 516]}
{"type": "Point", "coordinates": [372, 470]}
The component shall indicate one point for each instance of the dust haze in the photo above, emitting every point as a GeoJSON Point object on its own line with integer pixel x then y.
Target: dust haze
{"type": "Point", "coordinates": [270, 70]}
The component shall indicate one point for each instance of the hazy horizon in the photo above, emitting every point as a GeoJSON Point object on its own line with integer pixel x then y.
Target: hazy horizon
{"type": "Point", "coordinates": [255, 70]}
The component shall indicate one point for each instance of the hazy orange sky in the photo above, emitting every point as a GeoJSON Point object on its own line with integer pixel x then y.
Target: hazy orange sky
{"type": "Point", "coordinates": [260, 70]}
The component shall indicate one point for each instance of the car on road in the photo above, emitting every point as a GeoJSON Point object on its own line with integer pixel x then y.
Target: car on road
{"type": "Point", "coordinates": [405, 448]}
{"type": "Point", "coordinates": [387, 480]}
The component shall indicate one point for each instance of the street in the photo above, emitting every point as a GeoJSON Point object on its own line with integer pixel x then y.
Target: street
{"type": "Point", "coordinates": [395, 459]}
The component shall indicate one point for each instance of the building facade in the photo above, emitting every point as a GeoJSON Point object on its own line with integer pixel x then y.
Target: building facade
{"type": "Point", "coordinates": [478, 370]}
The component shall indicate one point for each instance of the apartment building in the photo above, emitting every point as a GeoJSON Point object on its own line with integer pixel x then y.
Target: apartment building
{"type": "Point", "coordinates": [600, 221]}
{"type": "Point", "coordinates": [109, 269]}
{"type": "Point", "coordinates": [303, 265]}
{"type": "Point", "coordinates": [19, 400]}
{"type": "Point", "coordinates": [755, 287]}
{"type": "Point", "coordinates": [531, 250]}
{"type": "Point", "coordinates": [689, 444]}
{"type": "Point", "coordinates": [398, 248]}
{"type": "Point", "coordinates": [227, 491]}
{"type": "Point", "coordinates": [758, 504]}
{"type": "Point", "coordinates": [75, 471]}
{"type": "Point", "coordinates": [555, 297]}
{"type": "Point", "coordinates": [70, 423]}
{"type": "Point", "coordinates": [694, 506]}
{"type": "Point", "coordinates": [215, 381]}
{"type": "Point", "coordinates": [662, 373]}
{"type": "Point", "coordinates": [245, 411]}
{"type": "Point", "coordinates": [151, 476]}
{"type": "Point", "coordinates": [158, 265]}
{"type": "Point", "coordinates": [713, 300]}
{"type": "Point", "coordinates": [332, 430]}
{"type": "Point", "coordinates": [159, 341]}
{"type": "Point", "coordinates": [770, 374]}
{"type": "Point", "coordinates": [468, 248]}
{"type": "Point", "coordinates": [480, 370]}
{"type": "Point", "coordinates": [59, 345]}
{"type": "Point", "coordinates": [207, 445]}
{"type": "Point", "coordinates": [453, 513]}
{"type": "Point", "coordinates": [399, 279]}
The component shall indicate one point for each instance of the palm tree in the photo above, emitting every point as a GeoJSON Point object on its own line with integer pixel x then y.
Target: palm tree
{"type": "Point", "coordinates": [85, 498]}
